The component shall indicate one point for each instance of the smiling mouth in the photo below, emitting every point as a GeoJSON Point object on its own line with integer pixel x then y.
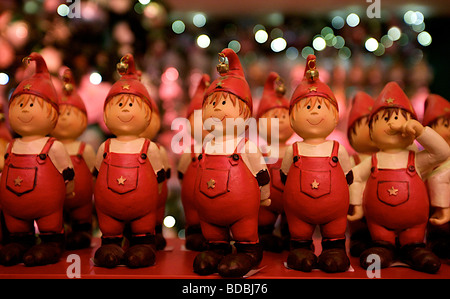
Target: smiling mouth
{"type": "Point", "coordinates": [314, 124]}
{"type": "Point", "coordinates": [26, 120]}
{"type": "Point", "coordinates": [391, 133]}
{"type": "Point", "coordinates": [126, 119]}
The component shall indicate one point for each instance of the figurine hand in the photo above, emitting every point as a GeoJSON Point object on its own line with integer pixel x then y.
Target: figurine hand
{"type": "Point", "coordinates": [411, 127]}
{"type": "Point", "coordinates": [358, 213]}
{"type": "Point", "coordinates": [265, 202]}
{"type": "Point", "coordinates": [440, 216]}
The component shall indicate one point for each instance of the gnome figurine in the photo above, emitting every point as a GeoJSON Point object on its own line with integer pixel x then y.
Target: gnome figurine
{"type": "Point", "coordinates": [388, 189]}
{"type": "Point", "coordinates": [72, 122]}
{"type": "Point", "coordinates": [187, 171]}
{"type": "Point", "coordinates": [232, 178]}
{"type": "Point", "coordinates": [130, 174]}
{"type": "Point", "coordinates": [316, 191]}
{"type": "Point", "coordinates": [38, 173]}
{"type": "Point", "coordinates": [437, 116]}
{"type": "Point", "coordinates": [359, 138]}
{"type": "Point", "coordinates": [274, 105]}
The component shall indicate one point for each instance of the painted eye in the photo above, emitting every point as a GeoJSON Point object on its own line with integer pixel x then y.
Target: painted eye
{"type": "Point", "coordinates": [386, 119]}
{"type": "Point", "coordinates": [224, 102]}
{"type": "Point", "coordinates": [120, 104]}
{"type": "Point", "coordinates": [31, 105]}
{"type": "Point", "coordinates": [308, 107]}
{"type": "Point", "coordinates": [21, 105]}
{"type": "Point", "coordinates": [318, 107]}
{"type": "Point", "coordinates": [396, 117]}
{"type": "Point", "coordinates": [130, 104]}
{"type": "Point", "coordinates": [214, 103]}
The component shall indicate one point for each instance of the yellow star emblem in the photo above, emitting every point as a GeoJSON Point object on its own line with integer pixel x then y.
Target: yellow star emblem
{"type": "Point", "coordinates": [392, 191]}
{"type": "Point", "coordinates": [219, 84]}
{"type": "Point", "coordinates": [315, 185]}
{"type": "Point", "coordinates": [126, 86]}
{"type": "Point", "coordinates": [121, 180]}
{"type": "Point", "coordinates": [18, 181]}
{"type": "Point", "coordinates": [446, 109]}
{"type": "Point", "coordinates": [390, 101]}
{"type": "Point", "coordinates": [211, 184]}
{"type": "Point", "coordinates": [27, 87]}
{"type": "Point", "coordinates": [312, 88]}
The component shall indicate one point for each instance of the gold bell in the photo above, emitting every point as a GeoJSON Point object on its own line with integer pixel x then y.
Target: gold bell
{"type": "Point", "coordinates": [122, 68]}
{"type": "Point", "coordinates": [280, 88]}
{"type": "Point", "coordinates": [26, 60]}
{"type": "Point", "coordinates": [222, 67]}
{"type": "Point", "coordinates": [312, 73]}
{"type": "Point", "coordinates": [68, 88]}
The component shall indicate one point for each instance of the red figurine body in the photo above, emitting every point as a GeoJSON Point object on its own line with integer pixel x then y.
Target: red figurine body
{"type": "Point", "coordinates": [232, 179]}
{"type": "Point", "coordinates": [130, 172]}
{"type": "Point", "coordinates": [274, 105]}
{"type": "Point", "coordinates": [33, 183]}
{"type": "Point", "coordinates": [395, 201]}
{"type": "Point", "coordinates": [316, 191]}
{"type": "Point", "coordinates": [72, 122]}
{"type": "Point", "coordinates": [187, 172]}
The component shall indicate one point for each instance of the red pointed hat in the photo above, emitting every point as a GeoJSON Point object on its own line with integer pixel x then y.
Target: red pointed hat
{"type": "Point", "coordinates": [435, 107]}
{"type": "Point", "coordinates": [362, 105]}
{"type": "Point", "coordinates": [152, 102]}
{"type": "Point", "coordinates": [312, 86]}
{"type": "Point", "coordinates": [231, 78]}
{"type": "Point", "coordinates": [40, 84]}
{"type": "Point", "coordinates": [129, 82]}
{"type": "Point", "coordinates": [392, 95]}
{"type": "Point", "coordinates": [197, 98]}
{"type": "Point", "coordinates": [69, 94]}
{"type": "Point", "coordinates": [273, 95]}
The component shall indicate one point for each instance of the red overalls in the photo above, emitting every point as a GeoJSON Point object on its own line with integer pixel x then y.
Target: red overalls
{"type": "Point", "coordinates": [187, 191]}
{"type": "Point", "coordinates": [316, 193]}
{"type": "Point", "coordinates": [126, 191]}
{"type": "Point", "coordinates": [227, 198]}
{"type": "Point", "coordinates": [80, 206]}
{"type": "Point", "coordinates": [396, 203]}
{"type": "Point", "coordinates": [162, 198]}
{"type": "Point", "coordinates": [32, 189]}
{"type": "Point", "coordinates": [268, 215]}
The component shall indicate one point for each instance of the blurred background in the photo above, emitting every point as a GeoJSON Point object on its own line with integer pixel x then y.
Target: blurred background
{"type": "Point", "coordinates": [360, 45]}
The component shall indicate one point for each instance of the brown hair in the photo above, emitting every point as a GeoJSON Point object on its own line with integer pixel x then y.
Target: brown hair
{"type": "Point", "coordinates": [63, 108]}
{"type": "Point", "coordinates": [132, 98]}
{"type": "Point", "coordinates": [25, 98]}
{"type": "Point", "coordinates": [387, 113]}
{"type": "Point", "coordinates": [313, 100]}
{"type": "Point", "coordinates": [243, 108]}
{"type": "Point", "coordinates": [445, 121]}
{"type": "Point", "coordinates": [352, 130]}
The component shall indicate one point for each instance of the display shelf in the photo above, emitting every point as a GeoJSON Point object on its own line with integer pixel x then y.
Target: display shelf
{"type": "Point", "coordinates": [176, 263]}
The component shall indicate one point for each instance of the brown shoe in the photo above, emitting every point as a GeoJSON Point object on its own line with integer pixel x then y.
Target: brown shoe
{"type": "Point", "coordinates": [302, 257]}
{"type": "Point", "coordinates": [384, 250]}
{"type": "Point", "coordinates": [420, 258]}
{"type": "Point", "coordinates": [206, 262]}
{"type": "Point", "coordinates": [110, 254]}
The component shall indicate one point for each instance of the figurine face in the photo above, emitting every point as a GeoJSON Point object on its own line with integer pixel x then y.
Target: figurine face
{"type": "Point", "coordinates": [221, 106]}
{"type": "Point", "coordinates": [127, 115]}
{"type": "Point", "coordinates": [153, 128]}
{"type": "Point", "coordinates": [30, 115]}
{"type": "Point", "coordinates": [359, 137]}
{"type": "Point", "coordinates": [442, 127]}
{"type": "Point", "coordinates": [71, 123]}
{"type": "Point", "coordinates": [284, 127]}
{"type": "Point", "coordinates": [313, 117]}
{"type": "Point", "coordinates": [381, 133]}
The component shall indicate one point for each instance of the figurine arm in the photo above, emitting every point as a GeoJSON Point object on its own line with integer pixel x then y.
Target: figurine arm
{"type": "Point", "coordinates": [287, 160]}
{"type": "Point", "coordinates": [439, 190]}
{"type": "Point", "coordinates": [61, 159]}
{"type": "Point", "coordinates": [89, 157]}
{"type": "Point", "coordinates": [360, 174]}
{"type": "Point", "coordinates": [436, 150]}
{"type": "Point", "coordinates": [99, 157]}
{"type": "Point", "coordinates": [183, 164]}
{"type": "Point", "coordinates": [344, 159]}
{"type": "Point", "coordinates": [3, 148]}
{"type": "Point", "coordinates": [154, 156]}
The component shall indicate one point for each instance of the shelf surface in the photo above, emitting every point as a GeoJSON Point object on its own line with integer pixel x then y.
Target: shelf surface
{"type": "Point", "coordinates": [175, 262]}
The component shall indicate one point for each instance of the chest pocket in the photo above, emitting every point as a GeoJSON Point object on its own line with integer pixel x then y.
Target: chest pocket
{"type": "Point", "coordinates": [21, 180]}
{"type": "Point", "coordinates": [214, 182]}
{"type": "Point", "coordinates": [122, 179]}
{"type": "Point", "coordinates": [315, 183]}
{"type": "Point", "coordinates": [393, 193]}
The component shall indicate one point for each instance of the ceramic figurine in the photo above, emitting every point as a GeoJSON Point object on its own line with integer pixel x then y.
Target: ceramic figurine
{"type": "Point", "coordinates": [359, 138]}
{"type": "Point", "coordinates": [130, 174]}
{"type": "Point", "coordinates": [437, 116]}
{"type": "Point", "coordinates": [38, 173]}
{"type": "Point", "coordinates": [388, 189]}
{"type": "Point", "coordinates": [274, 105]}
{"type": "Point", "coordinates": [187, 171]}
{"type": "Point", "coordinates": [232, 178]}
{"type": "Point", "coordinates": [316, 191]}
{"type": "Point", "coordinates": [150, 133]}
{"type": "Point", "coordinates": [72, 122]}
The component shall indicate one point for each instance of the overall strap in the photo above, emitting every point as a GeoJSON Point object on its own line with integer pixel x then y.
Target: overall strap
{"type": "Point", "coordinates": [44, 152]}
{"type": "Point", "coordinates": [411, 167]}
{"type": "Point", "coordinates": [144, 150]}
{"type": "Point", "coordinates": [9, 149]}
{"type": "Point", "coordinates": [192, 152]}
{"type": "Point", "coordinates": [334, 158]}
{"type": "Point", "coordinates": [240, 145]}
{"type": "Point", "coordinates": [295, 154]}
{"type": "Point", "coordinates": [374, 169]}
{"type": "Point", "coordinates": [81, 149]}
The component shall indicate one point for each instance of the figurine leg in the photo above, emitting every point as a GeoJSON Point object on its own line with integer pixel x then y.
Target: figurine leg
{"type": "Point", "coordinates": [49, 251]}
{"type": "Point", "coordinates": [438, 240]}
{"type": "Point", "coordinates": [266, 225]}
{"type": "Point", "coordinates": [301, 256]}
{"type": "Point", "coordinates": [334, 257]}
{"type": "Point", "coordinates": [81, 228]}
{"type": "Point", "coordinates": [110, 253]}
{"type": "Point", "coordinates": [141, 252]}
{"type": "Point", "coordinates": [12, 253]}
{"type": "Point", "coordinates": [194, 238]}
